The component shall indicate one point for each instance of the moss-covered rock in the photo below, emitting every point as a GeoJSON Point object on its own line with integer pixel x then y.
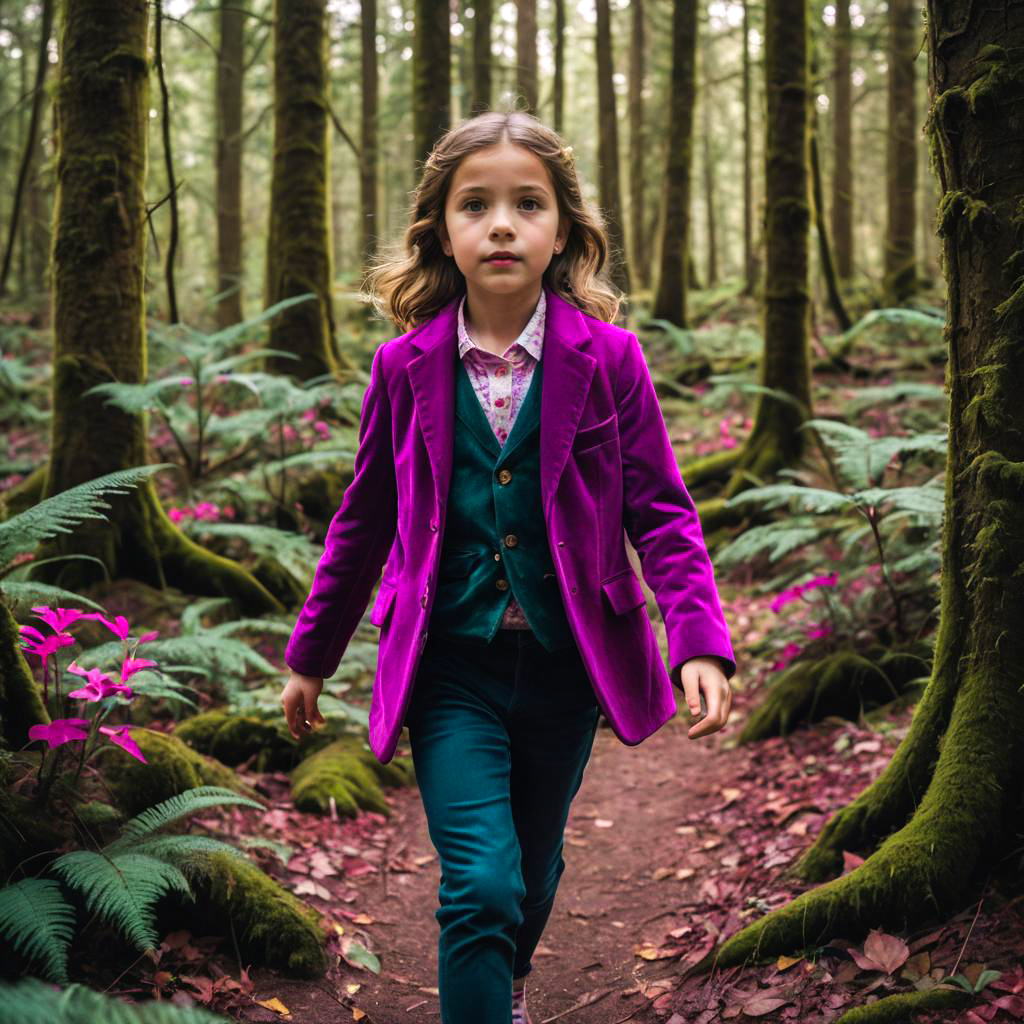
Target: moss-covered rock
{"type": "Point", "coordinates": [271, 925]}
{"type": "Point", "coordinates": [171, 767]}
{"type": "Point", "coordinates": [348, 771]}
{"type": "Point", "coordinates": [232, 738]}
{"type": "Point", "coordinates": [845, 683]}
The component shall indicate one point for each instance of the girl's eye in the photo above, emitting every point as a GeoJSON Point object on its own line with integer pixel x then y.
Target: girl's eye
{"type": "Point", "coordinates": [528, 199]}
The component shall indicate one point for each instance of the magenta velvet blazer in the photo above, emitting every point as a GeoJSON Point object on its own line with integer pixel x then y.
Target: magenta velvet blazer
{"type": "Point", "coordinates": [606, 464]}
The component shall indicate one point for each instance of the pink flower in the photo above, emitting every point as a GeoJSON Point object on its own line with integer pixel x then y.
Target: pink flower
{"type": "Point", "coordinates": [185, 382]}
{"type": "Point", "coordinates": [42, 646]}
{"type": "Point", "coordinates": [133, 665]}
{"type": "Point", "coordinates": [174, 514]}
{"type": "Point", "coordinates": [289, 432]}
{"type": "Point", "coordinates": [309, 414]}
{"type": "Point", "coordinates": [120, 625]}
{"type": "Point", "coordinates": [61, 730]}
{"type": "Point", "coordinates": [60, 619]}
{"type": "Point", "coordinates": [100, 685]}
{"type": "Point", "coordinates": [228, 511]}
{"type": "Point", "coordinates": [322, 429]}
{"type": "Point", "coordinates": [119, 734]}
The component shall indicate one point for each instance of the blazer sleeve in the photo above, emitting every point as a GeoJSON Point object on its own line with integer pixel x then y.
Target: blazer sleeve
{"type": "Point", "coordinates": [662, 523]}
{"type": "Point", "coordinates": [357, 543]}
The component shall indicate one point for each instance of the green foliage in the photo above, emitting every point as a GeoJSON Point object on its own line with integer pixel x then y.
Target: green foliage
{"type": "Point", "coordinates": [897, 326]}
{"type": "Point", "coordinates": [119, 883]}
{"type": "Point", "coordinates": [32, 1001]}
{"type": "Point", "coordinates": [292, 550]}
{"type": "Point", "coordinates": [58, 514]}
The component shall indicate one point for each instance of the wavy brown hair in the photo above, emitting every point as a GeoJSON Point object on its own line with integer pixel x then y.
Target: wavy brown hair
{"type": "Point", "coordinates": [414, 278]}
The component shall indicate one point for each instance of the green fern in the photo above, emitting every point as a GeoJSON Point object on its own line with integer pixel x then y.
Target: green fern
{"type": "Point", "coordinates": [292, 550]}
{"type": "Point", "coordinates": [119, 883]}
{"type": "Point", "coordinates": [38, 922]}
{"type": "Point", "coordinates": [58, 514]}
{"type": "Point", "coordinates": [27, 594]}
{"type": "Point", "coordinates": [32, 1001]}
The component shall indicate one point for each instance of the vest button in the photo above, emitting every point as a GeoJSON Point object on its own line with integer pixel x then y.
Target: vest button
{"type": "Point", "coordinates": [501, 584]}
{"type": "Point", "coordinates": [511, 540]}
{"type": "Point", "coordinates": [504, 476]}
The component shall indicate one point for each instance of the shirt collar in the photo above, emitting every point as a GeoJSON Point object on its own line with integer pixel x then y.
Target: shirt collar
{"type": "Point", "coordinates": [531, 338]}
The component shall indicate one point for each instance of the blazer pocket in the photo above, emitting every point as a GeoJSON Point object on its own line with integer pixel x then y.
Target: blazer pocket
{"type": "Point", "coordinates": [381, 607]}
{"type": "Point", "coordinates": [457, 565]}
{"type": "Point", "coordinates": [599, 433]}
{"type": "Point", "coordinates": [624, 592]}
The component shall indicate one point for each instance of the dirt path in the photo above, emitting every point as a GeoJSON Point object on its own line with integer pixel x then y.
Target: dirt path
{"type": "Point", "coordinates": [627, 836]}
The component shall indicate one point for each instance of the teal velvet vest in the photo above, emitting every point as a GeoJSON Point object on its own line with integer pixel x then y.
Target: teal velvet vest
{"type": "Point", "coordinates": [495, 539]}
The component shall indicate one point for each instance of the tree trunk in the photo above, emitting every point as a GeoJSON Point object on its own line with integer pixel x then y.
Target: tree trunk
{"type": "Point", "coordinates": [946, 808]}
{"type": "Point", "coordinates": [99, 313]}
{"type": "Point", "coordinates": [370, 231]}
{"type": "Point", "coordinates": [749, 266]}
{"type": "Point", "coordinates": [526, 52]}
{"type": "Point", "coordinates": [432, 78]}
{"type": "Point", "coordinates": [637, 147]}
{"type": "Point", "coordinates": [674, 280]}
{"type": "Point", "coordinates": [230, 72]}
{"type": "Point", "coordinates": [842, 143]}
{"type": "Point", "coordinates": [173, 251]}
{"type": "Point", "coordinates": [31, 136]}
{"type": "Point", "coordinates": [775, 440]}
{"type": "Point", "coordinates": [21, 702]}
{"type": "Point", "coordinates": [708, 159]}
{"type": "Point", "coordinates": [481, 98]}
{"type": "Point", "coordinates": [299, 237]}
{"type": "Point", "coordinates": [901, 153]}
{"type": "Point", "coordinates": [608, 149]}
{"type": "Point", "coordinates": [558, 85]}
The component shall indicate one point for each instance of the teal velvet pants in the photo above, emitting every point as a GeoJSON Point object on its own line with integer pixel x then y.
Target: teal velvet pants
{"type": "Point", "coordinates": [500, 735]}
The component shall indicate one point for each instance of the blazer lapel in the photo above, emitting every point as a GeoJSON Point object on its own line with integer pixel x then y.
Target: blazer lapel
{"type": "Point", "coordinates": [566, 382]}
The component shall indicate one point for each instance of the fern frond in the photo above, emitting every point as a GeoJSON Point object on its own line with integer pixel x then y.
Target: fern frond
{"type": "Point", "coordinates": [173, 808]}
{"type": "Point", "coordinates": [809, 499]}
{"type": "Point", "coordinates": [58, 514]}
{"type": "Point", "coordinates": [37, 920]}
{"type": "Point", "coordinates": [772, 540]}
{"type": "Point", "coordinates": [315, 458]}
{"type": "Point", "coordinates": [122, 889]}
{"type": "Point", "coordinates": [179, 850]}
{"type": "Point", "coordinates": [27, 594]}
{"type": "Point", "coordinates": [32, 1001]}
{"type": "Point", "coordinates": [137, 398]}
{"type": "Point", "coordinates": [292, 550]}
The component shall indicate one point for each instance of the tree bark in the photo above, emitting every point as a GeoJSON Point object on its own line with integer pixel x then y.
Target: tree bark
{"type": "Point", "coordinates": [558, 85]}
{"type": "Point", "coordinates": [842, 143]}
{"type": "Point", "coordinates": [901, 154]}
{"type": "Point", "coordinates": [299, 237]}
{"type": "Point", "coordinates": [708, 160]}
{"type": "Point", "coordinates": [749, 263]}
{"type": "Point", "coordinates": [230, 77]}
{"type": "Point", "coordinates": [945, 809]}
{"type": "Point", "coordinates": [432, 78]}
{"type": "Point", "coordinates": [102, 104]}
{"type": "Point", "coordinates": [637, 146]}
{"type": "Point", "coordinates": [370, 231]}
{"type": "Point", "coordinates": [482, 17]}
{"type": "Point", "coordinates": [526, 52]}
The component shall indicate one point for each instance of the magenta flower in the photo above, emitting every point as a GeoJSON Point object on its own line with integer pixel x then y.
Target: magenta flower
{"type": "Point", "coordinates": [99, 684]}
{"type": "Point", "coordinates": [289, 432]}
{"type": "Point", "coordinates": [44, 646]}
{"type": "Point", "coordinates": [174, 514]}
{"type": "Point", "coordinates": [61, 730]}
{"type": "Point", "coordinates": [120, 625]}
{"type": "Point", "coordinates": [792, 593]}
{"type": "Point", "coordinates": [228, 511]}
{"type": "Point", "coordinates": [185, 382]}
{"type": "Point", "coordinates": [322, 429]}
{"type": "Point", "coordinates": [133, 665]}
{"type": "Point", "coordinates": [309, 414]}
{"type": "Point", "coordinates": [58, 620]}
{"type": "Point", "coordinates": [119, 734]}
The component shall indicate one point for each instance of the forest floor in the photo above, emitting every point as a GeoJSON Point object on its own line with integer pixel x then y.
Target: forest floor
{"type": "Point", "coordinates": [670, 845]}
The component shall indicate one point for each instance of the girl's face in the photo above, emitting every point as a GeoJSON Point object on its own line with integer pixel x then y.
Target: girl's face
{"type": "Point", "coordinates": [501, 198]}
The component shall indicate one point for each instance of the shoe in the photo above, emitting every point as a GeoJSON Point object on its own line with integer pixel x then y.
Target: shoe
{"type": "Point", "coordinates": [519, 1014]}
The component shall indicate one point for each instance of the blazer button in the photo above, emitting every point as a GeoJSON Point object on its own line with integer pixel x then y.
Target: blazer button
{"type": "Point", "coordinates": [504, 476]}
{"type": "Point", "coordinates": [572, 590]}
{"type": "Point", "coordinates": [501, 584]}
{"type": "Point", "coordinates": [511, 540]}
{"type": "Point", "coordinates": [433, 526]}
{"type": "Point", "coordinates": [561, 543]}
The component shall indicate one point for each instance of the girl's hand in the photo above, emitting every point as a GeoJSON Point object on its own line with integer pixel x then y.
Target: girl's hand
{"type": "Point", "coordinates": [705, 674]}
{"type": "Point", "coordinates": [298, 698]}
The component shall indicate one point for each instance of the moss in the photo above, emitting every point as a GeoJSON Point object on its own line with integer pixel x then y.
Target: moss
{"type": "Point", "coordinates": [25, 834]}
{"type": "Point", "coordinates": [172, 767]}
{"type": "Point", "coordinates": [21, 702]}
{"type": "Point", "coordinates": [900, 1008]}
{"type": "Point", "coordinates": [347, 771]}
{"type": "Point", "coordinates": [233, 738]}
{"type": "Point", "coordinates": [270, 924]}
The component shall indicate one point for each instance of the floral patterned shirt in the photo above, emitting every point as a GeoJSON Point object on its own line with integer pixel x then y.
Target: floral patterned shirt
{"type": "Point", "coordinates": [501, 383]}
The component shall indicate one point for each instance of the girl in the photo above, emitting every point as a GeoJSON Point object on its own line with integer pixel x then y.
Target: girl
{"type": "Point", "coordinates": [505, 441]}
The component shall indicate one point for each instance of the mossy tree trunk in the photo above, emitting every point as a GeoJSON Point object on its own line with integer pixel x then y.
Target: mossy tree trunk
{"type": "Point", "coordinates": [674, 278]}
{"type": "Point", "coordinates": [230, 76]}
{"type": "Point", "coordinates": [299, 235]}
{"type": "Point", "coordinates": [99, 313]}
{"type": "Point", "coordinates": [431, 77]}
{"type": "Point", "coordinates": [842, 142]}
{"type": "Point", "coordinates": [749, 263]}
{"type": "Point", "coordinates": [369, 226]}
{"type": "Point", "coordinates": [21, 702]}
{"type": "Point", "coordinates": [608, 148]}
{"type": "Point", "coordinates": [901, 152]}
{"type": "Point", "coordinates": [708, 158]}
{"type": "Point", "coordinates": [638, 151]}
{"type": "Point", "coordinates": [775, 440]}
{"type": "Point", "coordinates": [947, 807]}
{"type": "Point", "coordinates": [558, 76]}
